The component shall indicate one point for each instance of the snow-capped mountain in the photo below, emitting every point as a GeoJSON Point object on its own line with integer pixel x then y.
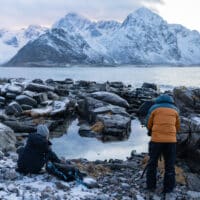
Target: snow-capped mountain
{"type": "Point", "coordinates": [58, 46]}
{"type": "Point", "coordinates": [12, 41]}
{"type": "Point", "coordinates": [142, 38]}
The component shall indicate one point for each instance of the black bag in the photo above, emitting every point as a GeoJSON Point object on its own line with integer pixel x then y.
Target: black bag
{"type": "Point", "coordinates": [64, 172]}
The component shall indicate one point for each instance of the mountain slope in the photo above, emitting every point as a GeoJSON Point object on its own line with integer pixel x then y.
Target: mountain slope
{"type": "Point", "coordinates": [12, 41]}
{"type": "Point", "coordinates": [142, 38]}
{"type": "Point", "coordinates": [57, 46]}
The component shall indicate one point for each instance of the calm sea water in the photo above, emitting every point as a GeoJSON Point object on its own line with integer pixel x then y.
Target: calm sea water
{"type": "Point", "coordinates": [166, 77]}
{"type": "Point", "coordinates": [71, 144]}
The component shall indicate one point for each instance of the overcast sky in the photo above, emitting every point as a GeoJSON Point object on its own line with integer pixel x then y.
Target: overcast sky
{"type": "Point", "coordinates": [15, 14]}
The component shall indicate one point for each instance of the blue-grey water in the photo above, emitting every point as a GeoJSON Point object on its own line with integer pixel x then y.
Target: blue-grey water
{"type": "Point", "coordinates": [71, 145]}
{"type": "Point", "coordinates": [167, 77]}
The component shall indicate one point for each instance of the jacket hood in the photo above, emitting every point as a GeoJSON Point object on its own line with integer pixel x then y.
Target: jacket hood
{"type": "Point", "coordinates": [36, 140]}
{"type": "Point", "coordinates": [164, 98]}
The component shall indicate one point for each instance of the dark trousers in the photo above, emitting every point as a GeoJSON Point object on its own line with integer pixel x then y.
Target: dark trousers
{"type": "Point", "coordinates": [168, 150]}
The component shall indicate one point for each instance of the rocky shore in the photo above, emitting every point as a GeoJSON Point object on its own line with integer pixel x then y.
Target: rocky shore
{"type": "Point", "coordinates": [105, 111]}
{"type": "Point", "coordinates": [115, 180]}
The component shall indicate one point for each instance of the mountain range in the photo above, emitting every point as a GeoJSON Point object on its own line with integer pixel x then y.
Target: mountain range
{"type": "Point", "coordinates": [142, 38]}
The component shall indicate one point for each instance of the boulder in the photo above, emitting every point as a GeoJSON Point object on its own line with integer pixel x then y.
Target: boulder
{"type": "Point", "coordinates": [24, 126]}
{"type": "Point", "coordinates": [52, 96]}
{"type": "Point", "coordinates": [85, 131]}
{"type": "Point", "coordinates": [29, 93]}
{"type": "Point", "coordinates": [11, 88]}
{"type": "Point", "coordinates": [7, 138]}
{"type": "Point", "coordinates": [87, 105]}
{"type": "Point", "coordinates": [60, 108]}
{"type": "Point", "coordinates": [35, 87]}
{"type": "Point", "coordinates": [111, 110]}
{"type": "Point", "coordinates": [38, 81]}
{"type": "Point", "coordinates": [110, 98]}
{"type": "Point", "coordinates": [40, 97]}
{"type": "Point", "coordinates": [115, 125]}
{"type": "Point", "coordinates": [14, 89]}
{"type": "Point", "coordinates": [184, 98]}
{"type": "Point", "coordinates": [116, 84]}
{"type": "Point", "coordinates": [144, 108]}
{"type": "Point", "coordinates": [10, 95]}
{"type": "Point", "coordinates": [69, 81]}
{"type": "Point", "coordinates": [62, 90]}
{"type": "Point", "coordinates": [26, 107]}
{"type": "Point", "coordinates": [13, 109]}
{"type": "Point", "coordinates": [151, 86]}
{"type": "Point", "coordinates": [193, 182]}
{"type": "Point", "coordinates": [2, 100]}
{"type": "Point", "coordinates": [23, 99]}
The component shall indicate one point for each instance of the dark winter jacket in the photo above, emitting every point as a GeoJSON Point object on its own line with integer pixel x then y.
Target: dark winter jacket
{"type": "Point", "coordinates": [35, 154]}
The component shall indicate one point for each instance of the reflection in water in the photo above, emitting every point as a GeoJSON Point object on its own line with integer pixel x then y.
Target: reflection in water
{"type": "Point", "coordinates": [72, 145]}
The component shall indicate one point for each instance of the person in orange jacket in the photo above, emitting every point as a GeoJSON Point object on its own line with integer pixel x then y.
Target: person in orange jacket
{"type": "Point", "coordinates": [163, 123]}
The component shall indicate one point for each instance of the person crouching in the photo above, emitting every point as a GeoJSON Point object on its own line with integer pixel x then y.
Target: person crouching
{"type": "Point", "coordinates": [36, 153]}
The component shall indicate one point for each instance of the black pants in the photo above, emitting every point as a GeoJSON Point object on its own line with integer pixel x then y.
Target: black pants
{"type": "Point", "coordinates": [168, 150]}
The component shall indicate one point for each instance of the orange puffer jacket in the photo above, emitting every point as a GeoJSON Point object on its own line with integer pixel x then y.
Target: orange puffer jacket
{"type": "Point", "coordinates": [163, 120]}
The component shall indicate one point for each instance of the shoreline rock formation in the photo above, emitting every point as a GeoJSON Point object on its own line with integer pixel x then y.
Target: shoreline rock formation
{"type": "Point", "coordinates": [103, 109]}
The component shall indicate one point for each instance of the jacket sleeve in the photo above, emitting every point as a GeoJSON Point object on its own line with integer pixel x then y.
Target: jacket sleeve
{"type": "Point", "coordinates": [150, 121]}
{"type": "Point", "coordinates": [177, 123]}
{"type": "Point", "coordinates": [51, 156]}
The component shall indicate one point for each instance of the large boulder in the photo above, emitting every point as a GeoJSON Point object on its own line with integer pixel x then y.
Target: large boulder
{"type": "Point", "coordinates": [35, 87]}
{"type": "Point", "coordinates": [23, 99]}
{"type": "Point", "coordinates": [61, 108]}
{"type": "Point", "coordinates": [41, 97]}
{"type": "Point", "coordinates": [184, 99]}
{"type": "Point", "coordinates": [13, 109]}
{"type": "Point", "coordinates": [25, 126]}
{"type": "Point", "coordinates": [11, 88]}
{"type": "Point", "coordinates": [110, 98]}
{"type": "Point", "coordinates": [110, 109]}
{"type": "Point", "coordinates": [189, 141]}
{"type": "Point", "coordinates": [86, 105]}
{"type": "Point", "coordinates": [150, 86]}
{"type": "Point", "coordinates": [144, 108]}
{"type": "Point", "coordinates": [15, 89]}
{"type": "Point", "coordinates": [115, 125]}
{"type": "Point", "coordinates": [7, 138]}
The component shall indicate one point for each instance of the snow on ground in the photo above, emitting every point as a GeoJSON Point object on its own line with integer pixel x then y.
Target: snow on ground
{"type": "Point", "coordinates": [35, 187]}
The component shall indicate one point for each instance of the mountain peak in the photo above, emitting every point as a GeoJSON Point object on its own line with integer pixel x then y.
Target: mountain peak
{"type": "Point", "coordinates": [144, 11]}
{"type": "Point", "coordinates": [72, 20]}
{"type": "Point", "coordinates": [143, 15]}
